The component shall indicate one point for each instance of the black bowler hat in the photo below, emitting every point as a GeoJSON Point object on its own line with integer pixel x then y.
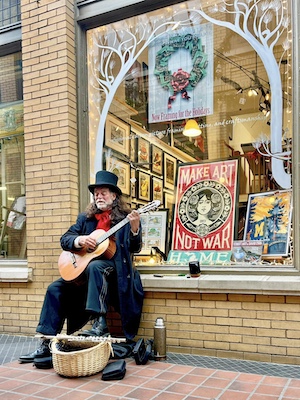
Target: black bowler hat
{"type": "Point", "coordinates": [106, 179]}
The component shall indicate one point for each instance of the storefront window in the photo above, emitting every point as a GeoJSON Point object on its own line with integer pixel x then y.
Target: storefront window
{"type": "Point", "coordinates": [12, 174]}
{"type": "Point", "coordinates": [193, 105]}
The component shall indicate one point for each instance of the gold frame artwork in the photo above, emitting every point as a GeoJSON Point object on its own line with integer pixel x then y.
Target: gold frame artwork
{"type": "Point", "coordinates": [157, 160]}
{"type": "Point", "coordinates": [122, 170]}
{"type": "Point", "coordinates": [144, 190]}
{"type": "Point", "coordinates": [117, 135]}
{"type": "Point", "coordinates": [157, 189]}
{"type": "Point", "coordinates": [169, 171]}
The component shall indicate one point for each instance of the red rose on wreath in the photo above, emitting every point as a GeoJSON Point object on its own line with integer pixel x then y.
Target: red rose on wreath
{"type": "Point", "coordinates": [179, 82]}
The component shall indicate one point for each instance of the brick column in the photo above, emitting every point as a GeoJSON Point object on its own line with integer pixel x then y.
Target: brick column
{"type": "Point", "coordinates": [50, 127]}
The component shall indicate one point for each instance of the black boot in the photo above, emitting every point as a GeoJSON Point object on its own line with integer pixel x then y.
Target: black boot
{"type": "Point", "coordinates": [99, 328]}
{"type": "Point", "coordinates": [41, 355]}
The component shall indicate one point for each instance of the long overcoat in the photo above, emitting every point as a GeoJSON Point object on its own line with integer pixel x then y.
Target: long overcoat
{"type": "Point", "coordinates": [129, 299]}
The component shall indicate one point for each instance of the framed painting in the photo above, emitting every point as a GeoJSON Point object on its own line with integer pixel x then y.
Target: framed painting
{"type": "Point", "coordinates": [157, 190]}
{"type": "Point", "coordinates": [268, 218]}
{"type": "Point", "coordinates": [157, 160]}
{"type": "Point", "coordinates": [154, 231]}
{"type": "Point", "coordinates": [117, 135]}
{"type": "Point", "coordinates": [247, 251]}
{"type": "Point", "coordinates": [169, 171]}
{"type": "Point", "coordinates": [122, 170]}
{"type": "Point", "coordinates": [143, 186]}
{"type": "Point", "coordinates": [205, 206]}
{"type": "Point", "coordinates": [143, 152]}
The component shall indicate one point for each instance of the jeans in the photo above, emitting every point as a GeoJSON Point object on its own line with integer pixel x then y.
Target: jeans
{"type": "Point", "coordinates": [74, 302]}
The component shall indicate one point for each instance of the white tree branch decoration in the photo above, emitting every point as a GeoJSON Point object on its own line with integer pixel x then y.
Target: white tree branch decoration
{"type": "Point", "coordinates": [113, 54]}
{"type": "Point", "coordinates": [252, 20]}
{"type": "Point", "coordinates": [260, 22]}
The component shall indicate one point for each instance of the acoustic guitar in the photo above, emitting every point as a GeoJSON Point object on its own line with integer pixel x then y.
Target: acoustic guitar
{"type": "Point", "coordinates": [71, 265]}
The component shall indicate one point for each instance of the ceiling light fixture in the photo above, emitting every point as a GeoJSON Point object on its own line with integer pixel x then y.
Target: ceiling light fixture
{"type": "Point", "coordinates": [252, 92]}
{"type": "Point", "coordinates": [265, 105]}
{"type": "Point", "coordinates": [191, 129]}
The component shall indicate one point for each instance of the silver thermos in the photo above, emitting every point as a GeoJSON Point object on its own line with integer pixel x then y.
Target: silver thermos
{"type": "Point", "coordinates": [160, 352]}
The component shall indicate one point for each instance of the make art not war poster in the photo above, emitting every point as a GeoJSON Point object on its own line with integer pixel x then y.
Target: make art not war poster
{"type": "Point", "coordinates": [181, 74]}
{"type": "Point", "coordinates": [205, 206]}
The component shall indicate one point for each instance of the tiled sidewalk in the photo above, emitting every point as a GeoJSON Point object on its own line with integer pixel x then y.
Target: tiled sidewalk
{"type": "Point", "coordinates": [181, 377]}
{"type": "Point", "coordinates": [155, 380]}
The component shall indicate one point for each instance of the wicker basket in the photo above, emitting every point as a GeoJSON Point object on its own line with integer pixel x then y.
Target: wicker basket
{"type": "Point", "coordinates": [89, 358]}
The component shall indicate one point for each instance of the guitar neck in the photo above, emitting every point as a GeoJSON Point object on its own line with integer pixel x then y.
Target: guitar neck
{"type": "Point", "coordinates": [112, 230]}
{"type": "Point", "coordinates": [148, 207]}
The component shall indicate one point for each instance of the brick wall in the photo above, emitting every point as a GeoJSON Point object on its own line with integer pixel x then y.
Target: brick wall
{"type": "Point", "coordinates": [8, 89]}
{"type": "Point", "coordinates": [51, 166]}
{"type": "Point", "coordinates": [252, 327]}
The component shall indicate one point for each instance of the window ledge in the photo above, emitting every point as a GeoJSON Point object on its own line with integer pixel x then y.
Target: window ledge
{"type": "Point", "coordinates": [15, 271]}
{"type": "Point", "coordinates": [280, 281]}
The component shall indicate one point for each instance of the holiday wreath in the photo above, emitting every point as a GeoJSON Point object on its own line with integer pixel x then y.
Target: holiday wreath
{"type": "Point", "coordinates": [180, 81]}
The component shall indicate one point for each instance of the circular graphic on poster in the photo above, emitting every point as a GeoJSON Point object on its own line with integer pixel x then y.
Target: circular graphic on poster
{"type": "Point", "coordinates": [204, 207]}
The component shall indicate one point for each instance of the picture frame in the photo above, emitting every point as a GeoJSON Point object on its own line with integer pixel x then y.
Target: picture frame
{"type": "Point", "coordinates": [205, 207]}
{"type": "Point", "coordinates": [247, 251]}
{"type": "Point", "coordinates": [154, 231]}
{"type": "Point", "coordinates": [169, 171]}
{"type": "Point", "coordinates": [143, 186]}
{"type": "Point", "coordinates": [157, 188]}
{"type": "Point", "coordinates": [117, 135]}
{"type": "Point", "coordinates": [143, 153]}
{"type": "Point", "coordinates": [156, 160]}
{"type": "Point", "coordinates": [269, 218]}
{"type": "Point", "coordinates": [122, 170]}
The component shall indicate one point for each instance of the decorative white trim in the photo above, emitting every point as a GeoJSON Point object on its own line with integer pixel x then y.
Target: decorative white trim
{"type": "Point", "coordinates": [221, 283]}
{"type": "Point", "coordinates": [15, 273]}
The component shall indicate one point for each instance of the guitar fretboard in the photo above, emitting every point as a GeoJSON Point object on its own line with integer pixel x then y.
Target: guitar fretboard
{"type": "Point", "coordinates": [148, 207]}
{"type": "Point", "coordinates": [112, 230]}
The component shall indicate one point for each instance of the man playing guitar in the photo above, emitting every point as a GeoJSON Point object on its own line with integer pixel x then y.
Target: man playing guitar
{"type": "Point", "coordinates": [95, 275]}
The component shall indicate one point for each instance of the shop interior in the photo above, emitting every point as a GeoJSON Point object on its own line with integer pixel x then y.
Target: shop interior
{"type": "Point", "coordinates": [147, 136]}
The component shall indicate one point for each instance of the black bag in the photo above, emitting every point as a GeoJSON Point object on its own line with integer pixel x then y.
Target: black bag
{"type": "Point", "coordinates": [142, 351]}
{"type": "Point", "coordinates": [114, 370]}
{"type": "Point", "coordinates": [122, 350]}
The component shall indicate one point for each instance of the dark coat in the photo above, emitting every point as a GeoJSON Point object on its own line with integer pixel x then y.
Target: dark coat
{"type": "Point", "coordinates": [129, 299]}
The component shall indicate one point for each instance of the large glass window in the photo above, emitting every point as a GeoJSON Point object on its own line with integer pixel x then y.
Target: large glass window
{"type": "Point", "coordinates": [178, 94]}
{"type": "Point", "coordinates": [12, 174]}
{"type": "Point", "coordinates": [10, 12]}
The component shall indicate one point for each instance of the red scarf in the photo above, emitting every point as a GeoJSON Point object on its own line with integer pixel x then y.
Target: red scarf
{"type": "Point", "coordinates": [103, 220]}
